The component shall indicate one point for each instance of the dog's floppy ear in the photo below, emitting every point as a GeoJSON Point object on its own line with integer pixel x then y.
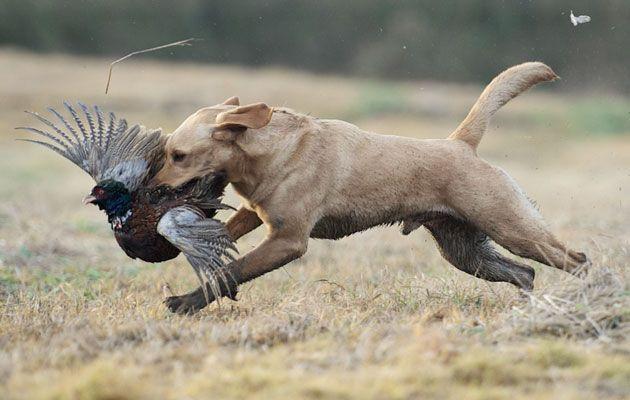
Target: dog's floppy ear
{"type": "Point", "coordinates": [232, 101]}
{"type": "Point", "coordinates": [252, 116]}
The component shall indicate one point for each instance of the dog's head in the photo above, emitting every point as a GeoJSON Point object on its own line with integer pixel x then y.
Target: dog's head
{"type": "Point", "coordinates": [205, 142]}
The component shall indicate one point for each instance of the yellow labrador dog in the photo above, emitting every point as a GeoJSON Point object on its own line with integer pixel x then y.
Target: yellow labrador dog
{"type": "Point", "coordinates": [305, 177]}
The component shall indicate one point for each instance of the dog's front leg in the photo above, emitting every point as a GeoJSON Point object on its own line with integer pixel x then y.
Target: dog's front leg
{"type": "Point", "coordinates": [272, 253]}
{"type": "Point", "coordinates": [242, 222]}
{"type": "Point", "coordinates": [275, 251]}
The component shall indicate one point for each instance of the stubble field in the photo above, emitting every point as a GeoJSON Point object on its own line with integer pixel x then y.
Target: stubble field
{"type": "Point", "coordinates": [377, 315]}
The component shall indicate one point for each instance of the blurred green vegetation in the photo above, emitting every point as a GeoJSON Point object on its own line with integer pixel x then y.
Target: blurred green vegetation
{"type": "Point", "coordinates": [449, 40]}
{"type": "Point", "coordinates": [378, 99]}
{"type": "Point", "coordinates": [600, 116]}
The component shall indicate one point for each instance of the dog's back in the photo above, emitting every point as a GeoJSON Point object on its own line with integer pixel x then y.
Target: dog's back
{"type": "Point", "coordinates": [374, 179]}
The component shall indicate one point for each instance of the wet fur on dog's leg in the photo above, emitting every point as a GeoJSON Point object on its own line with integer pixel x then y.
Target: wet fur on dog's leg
{"type": "Point", "coordinates": [471, 251]}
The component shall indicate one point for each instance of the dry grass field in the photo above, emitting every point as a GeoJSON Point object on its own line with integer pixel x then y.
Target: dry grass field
{"type": "Point", "coordinates": [374, 316]}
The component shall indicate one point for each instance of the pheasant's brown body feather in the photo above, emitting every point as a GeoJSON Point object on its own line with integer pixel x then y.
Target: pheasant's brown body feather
{"type": "Point", "coordinates": [138, 236]}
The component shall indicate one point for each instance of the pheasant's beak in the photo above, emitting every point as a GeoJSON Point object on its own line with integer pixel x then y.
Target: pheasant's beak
{"type": "Point", "coordinates": [89, 199]}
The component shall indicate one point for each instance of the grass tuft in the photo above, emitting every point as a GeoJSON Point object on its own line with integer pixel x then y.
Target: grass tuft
{"type": "Point", "coordinates": [597, 307]}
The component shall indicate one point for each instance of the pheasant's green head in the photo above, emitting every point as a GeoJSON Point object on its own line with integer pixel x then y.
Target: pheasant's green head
{"type": "Point", "coordinates": [111, 196]}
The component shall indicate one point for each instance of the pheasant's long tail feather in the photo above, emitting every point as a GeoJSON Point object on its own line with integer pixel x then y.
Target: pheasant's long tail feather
{"type": "Point", "coordinates": [88, 116]}
{"type": "Point", "coordinates": [53, 126]}
{"type": "Point", "coordinates": [48, 145]}
{"type": "Point", "coordinates": [101, 125]}
{"type": "Point", "coordinates": [105, 148]}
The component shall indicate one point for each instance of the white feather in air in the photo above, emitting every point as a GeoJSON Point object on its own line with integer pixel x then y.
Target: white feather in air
{"type": "Point", "coordinates": [580, 19]}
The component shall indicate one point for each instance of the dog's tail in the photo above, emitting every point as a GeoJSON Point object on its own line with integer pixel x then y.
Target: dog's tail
{"type": "Point", "coordinates": [504, 87]}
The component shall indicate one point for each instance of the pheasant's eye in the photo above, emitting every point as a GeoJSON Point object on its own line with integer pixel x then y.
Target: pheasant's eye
{"type": "Point", "coordinates": [98, 192]}
{"type": "Point", "coordinates": [178, 156]}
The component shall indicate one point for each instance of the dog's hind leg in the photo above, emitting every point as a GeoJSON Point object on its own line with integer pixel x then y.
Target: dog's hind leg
{"type": "Point", "coordinates": [491, 200]}
{"type": "Point", "coordinates": [532, 239]}
{"type": "Point", "coordinates": [470, 250]}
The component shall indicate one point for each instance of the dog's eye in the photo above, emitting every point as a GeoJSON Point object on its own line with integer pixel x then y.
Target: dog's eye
{"type": "Point", "coordinates": [178, 156]}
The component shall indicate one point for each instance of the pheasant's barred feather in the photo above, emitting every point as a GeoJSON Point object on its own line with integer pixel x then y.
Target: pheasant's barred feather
{"type": "Point", "coordinates": [101, 125]}
{"type": "Point", "coordinates": [47, 135]}
{"type": "Point", "coordinates": [110, 128]}
{"type": "Point", "coordinates": [105, 149]}
{"type": "Point", "coordinates": [72, 131]}
{"type": "Point", "coordinates": [79, 123]}
{"type": "Point", "coordinates": [90, 120]}
{"type": "Point", "coordinates": [205, 243]}
{"type": "Point", "coordinates": [51, 125]}
{"type": "Point", "coordinates": [48, 145]}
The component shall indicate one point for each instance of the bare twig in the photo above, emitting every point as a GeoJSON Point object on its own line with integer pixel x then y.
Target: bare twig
{"type": "Point", "coordinates": [187, 42]}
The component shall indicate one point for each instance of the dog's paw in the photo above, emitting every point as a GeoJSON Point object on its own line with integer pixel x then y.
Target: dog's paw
{"type": "Point", "coordinates": [579, 264]}
{"type": "Point", "coordinates": [526, 285]}
{"type": "Point", "coordinates": [184, 305]}
{"type": "Point", "coordinates": [176, 304]}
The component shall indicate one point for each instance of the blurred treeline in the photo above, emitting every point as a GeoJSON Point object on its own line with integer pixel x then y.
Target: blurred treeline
{"type": "Point", "coordinates": [467, 40]}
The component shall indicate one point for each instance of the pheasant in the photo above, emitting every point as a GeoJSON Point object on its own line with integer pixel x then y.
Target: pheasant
{"type": "Point", "coordinates": [153, 224]}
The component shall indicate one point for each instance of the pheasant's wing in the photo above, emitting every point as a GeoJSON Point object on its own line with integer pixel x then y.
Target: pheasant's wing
{"type": "Point", "coordinates": [104, 147]}
{"type": "Point", "coordinates": [204, 241]}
